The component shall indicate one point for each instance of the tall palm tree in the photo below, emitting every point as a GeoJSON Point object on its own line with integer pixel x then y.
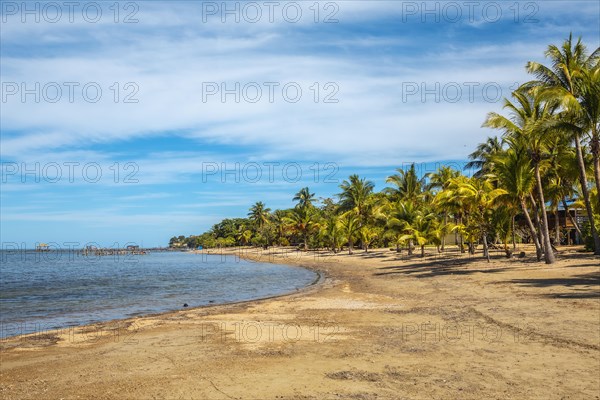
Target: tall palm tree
{"type": "Point", "coordinates": [526, 128]}
{"type": "Point", "coordinates": [573, 80]}
{"type": "Point", "coordinates": [304, 198]}
{"type": "Point", "coordinates": [259, 214]}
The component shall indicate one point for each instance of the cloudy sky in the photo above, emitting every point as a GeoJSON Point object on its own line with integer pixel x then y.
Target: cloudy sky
{"type": "Point", "coordinates": [137, 122]}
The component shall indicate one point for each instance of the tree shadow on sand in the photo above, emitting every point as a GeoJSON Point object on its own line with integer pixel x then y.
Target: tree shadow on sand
{"type": "Point", "coordinates": [584, 286]}
{"type": "Point", "coordinates": [438, 267]}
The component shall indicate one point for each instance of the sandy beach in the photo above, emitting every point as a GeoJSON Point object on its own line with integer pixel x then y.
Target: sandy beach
{"type": "Point", "coordinates": [378, 325]}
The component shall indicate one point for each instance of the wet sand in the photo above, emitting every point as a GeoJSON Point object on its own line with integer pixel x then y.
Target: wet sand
{"type": "Point", "coordinates": [379, 325]}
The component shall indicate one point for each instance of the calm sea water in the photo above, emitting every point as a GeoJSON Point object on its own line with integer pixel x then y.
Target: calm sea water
{"type": "Point", "coordinates": [41, 291]}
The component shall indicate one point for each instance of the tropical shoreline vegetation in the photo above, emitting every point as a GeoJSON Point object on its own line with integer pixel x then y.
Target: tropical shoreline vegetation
{"type": "Point", "coordinates": [546, 157]}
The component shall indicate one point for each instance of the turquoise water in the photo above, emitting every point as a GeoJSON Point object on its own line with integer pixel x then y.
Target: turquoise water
{"type": "Point", "coordinates": [41, 291]}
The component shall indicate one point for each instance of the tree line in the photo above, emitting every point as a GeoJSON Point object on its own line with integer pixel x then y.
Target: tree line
{"type": "Point", "coordinates": [546, 157]}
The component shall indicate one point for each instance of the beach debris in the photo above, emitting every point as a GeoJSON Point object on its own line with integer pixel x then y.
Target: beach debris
{"type": "Point", "coordinates": [185, 304]}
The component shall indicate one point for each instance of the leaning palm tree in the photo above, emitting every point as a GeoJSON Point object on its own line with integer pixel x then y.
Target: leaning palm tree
{"type": "Point", "coordinates": [573, 80]}
{"type": "Point", "coordinates": [526, 128]}
{"type": "Point", "coordinates": [259, 214]}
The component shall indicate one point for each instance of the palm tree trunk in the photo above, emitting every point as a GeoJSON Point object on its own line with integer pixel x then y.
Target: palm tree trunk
{"type": "Point", "coordinates": [461, 242]}
{"type": "Point", "coordinates": [595, 145]}
{"type": "Point", "coordinates": [538, 247]}
{"type": "Point", "coordinates": [422, 251]}
{"type": "Point", "coordinates": [586, 195]}
{"type": "Point", "coordinates": [514, 234]}
{"type": "Point", "coordinates": [548, 252]}
{"type": "Point", "coordinates": [410, 247]}
{"type": "Point", "coordinates": [538, 222]}
{"type": "Point", "coordinates": [350, 244]}
{"type": "Point", "coordinates": [486, 250]}
{"type": "Point", "coordinates": [556, 227]}
{"type": "Point", "coordinates": [573, 220]}
{"type": "Point", "coordinates": [445, 223]}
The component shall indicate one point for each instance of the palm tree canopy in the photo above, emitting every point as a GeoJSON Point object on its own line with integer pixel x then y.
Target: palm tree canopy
{"type": "Point", "coordinates": [304, 198]}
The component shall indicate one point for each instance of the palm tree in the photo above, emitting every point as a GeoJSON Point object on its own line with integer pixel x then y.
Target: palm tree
{"type": "Point", "coordinates": [354, 195]}
{"type": "Point", "coordinates": [479, 195]}
{"type": "Point", "coordinates": [244, 235]}
{"type": "Point", "coordinates": [402, 219]}
{"type": "Point", "coordinates": [259, 214]}
{"type": "Point", "coordinates": [447, 200]}
{"type": "Point", "coordinates": [279, 219]}
{"type": "Point", "coordinates": [332, 233]}
{"type": "Point", "coordinates": [440, 180]}
{"type": "Point", "coordinates": [367, 234]}
{"type": "Point", "coordinates": [573, 80]}
{"type": "Point", "coordinates": [513, 170]}
{"type": "Point", "coordinates": [481, 157]}
{"type": "Point", "coordinates": [304, 198]}
{"type": "Point", "coordinates": [303, 222]}
{"type": "Point", "coordinates": [526, 128]}
{"type": "Point", "coordinates": [407, 185]}
{"type": "Point", "coordinates": [349, 223]}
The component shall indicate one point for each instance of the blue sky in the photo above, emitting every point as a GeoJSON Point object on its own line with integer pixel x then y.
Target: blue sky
{"type": "Point", "coordinates": [213, 114]}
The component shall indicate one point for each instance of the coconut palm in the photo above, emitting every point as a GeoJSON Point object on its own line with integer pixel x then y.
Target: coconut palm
{"type": "Point", "coordinates": [526, 128]}
{"type": "Point", "coordinates": [513, 170]}
{"type": "Point", "coordinates": [573, 80]}
{"type": "Point", "coordinates": [440, 180]}
{"type": "Point", "coordinates": [280, 223]}
{"type": "Point", "coordinates": [304, 198]}
{"type": "Point", "coordinates": [447, 201]}
{"type": "Point", "coordinates": [479, 196]}
{"type": "Point", "coordinates": [355, 194]}
{"type": "Point", "coordinates": [303, 222]}
{"type": "Point", "coordinates": [350, 225]}
{"type": "Point", "coordinates": [332, 233]}
{"type": "Point", "coordinates": [367, 234]}
{"type": "Point", "coordinates": [407, 186]}
{"type": "Point", "coordinates": [402, 220]}
{"type": "Point", "coordinates": [259, 214]}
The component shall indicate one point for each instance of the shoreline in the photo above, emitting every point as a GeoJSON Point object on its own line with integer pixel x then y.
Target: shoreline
{"type": "Point", "coordinates": [374, 327]}
{"type": "Point", "coordinates": [319, 280]}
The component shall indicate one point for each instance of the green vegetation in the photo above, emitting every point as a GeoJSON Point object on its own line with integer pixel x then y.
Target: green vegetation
{"type": "Point", "coordinates": [549, 146]}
